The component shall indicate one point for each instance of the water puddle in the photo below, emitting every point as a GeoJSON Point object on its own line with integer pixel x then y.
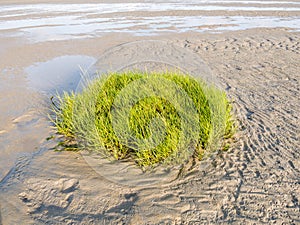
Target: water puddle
{"type": "Point", "coordinates": [58, 74]}
{"type": "Point", "coordinates": [23, 124]}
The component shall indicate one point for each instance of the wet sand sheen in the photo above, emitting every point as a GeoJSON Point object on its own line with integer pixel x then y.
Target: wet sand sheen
{"type": "Point", "coordinates": [256, 180]}
{"type": "Point", "coordinates": [48, 22]}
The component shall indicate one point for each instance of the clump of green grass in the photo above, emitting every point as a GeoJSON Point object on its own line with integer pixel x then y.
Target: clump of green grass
{"type": "Point", "coordinates": [154, 124]}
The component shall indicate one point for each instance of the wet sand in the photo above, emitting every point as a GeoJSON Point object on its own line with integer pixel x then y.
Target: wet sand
{"type": "Point", "coordinates": [256, 181]}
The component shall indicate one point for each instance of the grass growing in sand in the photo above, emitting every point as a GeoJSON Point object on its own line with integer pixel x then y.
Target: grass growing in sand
{"type": "Point", "coordinates": [155, 125]}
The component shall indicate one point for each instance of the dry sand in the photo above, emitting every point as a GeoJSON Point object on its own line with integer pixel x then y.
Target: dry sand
{"type": "Point", "coordinates": [256, 182]}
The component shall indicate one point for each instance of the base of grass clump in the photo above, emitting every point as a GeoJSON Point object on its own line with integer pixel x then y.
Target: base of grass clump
{"type": "Point", "coordinates": [149, 117]}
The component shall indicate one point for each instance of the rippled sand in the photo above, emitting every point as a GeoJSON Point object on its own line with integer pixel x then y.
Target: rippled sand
{"type": "Point", "coordinates": [252, 49]}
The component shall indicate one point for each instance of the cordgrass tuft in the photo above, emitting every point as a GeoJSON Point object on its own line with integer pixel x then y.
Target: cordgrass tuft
{"type": "Point", "coordinates": [155, 125]}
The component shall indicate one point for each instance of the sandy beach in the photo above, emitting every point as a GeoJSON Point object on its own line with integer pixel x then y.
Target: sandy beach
{"type": "Point", "coordinates": [253, 51]}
